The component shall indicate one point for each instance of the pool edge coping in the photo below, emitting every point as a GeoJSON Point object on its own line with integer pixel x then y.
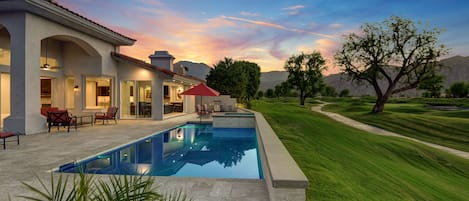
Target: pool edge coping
{"type": "Point", "coordinates": [284, 178]}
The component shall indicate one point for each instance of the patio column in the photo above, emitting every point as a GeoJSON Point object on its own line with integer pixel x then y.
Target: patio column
{"type": "Point", "coordinates": [25, 83]}
{"type": "Point", "coordinates": [157, 98]}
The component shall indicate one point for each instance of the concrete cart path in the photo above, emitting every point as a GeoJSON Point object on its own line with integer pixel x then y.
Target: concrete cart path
{"type": "Point", "coordinates": [379, 131]}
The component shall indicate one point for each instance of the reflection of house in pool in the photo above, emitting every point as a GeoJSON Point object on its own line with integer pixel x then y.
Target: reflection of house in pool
{"type": "Point", "coordinates": [167, 153]}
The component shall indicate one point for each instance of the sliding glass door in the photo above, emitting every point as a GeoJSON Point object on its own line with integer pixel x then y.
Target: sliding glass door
{"type": "Point", "coordinates": [136, 99]}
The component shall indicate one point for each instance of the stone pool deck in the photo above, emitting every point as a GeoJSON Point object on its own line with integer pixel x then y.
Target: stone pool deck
{"type": "Point", "coordinates": [39, 153]}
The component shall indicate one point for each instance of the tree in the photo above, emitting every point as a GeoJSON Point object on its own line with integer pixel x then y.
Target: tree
{"type": "Point", "coordinates": [219, 77]}
{"type": "Point", "coordinates": [252, 72]}
{"type": "Point", "coordinates": [269, 93]}
{"type": "Point", "coordinates": [329, 91]}
{"type": "Point", "coordinates": [432, 85]}
{"type": "Point", "coordinates": [344, 93]}
{"type": "Point", "coordinates": [240, 79]}
{"type": "Point", "coordinates": [260, 94]}
{"type": "Point", "coordinates": [277, 90]}
{"type": "Point", "coordinates": [285, 89]}
{"type": "Point", "coordinates": [395, 51]}
{"type": "Point", "coordinates": [305, 73]}
{"type": "Point", "coordinates": [459, 90]}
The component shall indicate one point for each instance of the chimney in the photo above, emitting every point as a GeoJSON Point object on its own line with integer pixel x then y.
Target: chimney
{"type": "Point", "coordinates": [162, 59]}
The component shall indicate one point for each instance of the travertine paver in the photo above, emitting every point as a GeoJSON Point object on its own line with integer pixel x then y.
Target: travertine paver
{"type": "Point", "coordinates": [379, 131]}
{"type": "Point", "coordinates": [39, 153]}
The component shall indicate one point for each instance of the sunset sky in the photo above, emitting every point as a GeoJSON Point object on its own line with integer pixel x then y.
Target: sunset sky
{"type": "Point", "coordinates": [262, 31]}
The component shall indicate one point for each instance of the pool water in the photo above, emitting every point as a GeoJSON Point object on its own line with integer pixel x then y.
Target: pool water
{"type": "Point", "coordinates": [191, 150]}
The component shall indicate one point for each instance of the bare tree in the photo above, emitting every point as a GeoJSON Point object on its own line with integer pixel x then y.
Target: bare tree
{"type": "Point", "coordinates": [396, 50]}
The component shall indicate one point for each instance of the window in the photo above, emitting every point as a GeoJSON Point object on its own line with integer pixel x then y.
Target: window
{"type": "Point", "coordinates": [98, 92]}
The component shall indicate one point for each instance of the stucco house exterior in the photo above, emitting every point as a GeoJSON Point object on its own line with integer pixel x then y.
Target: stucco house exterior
{"type": "Point", "coordinates": [51, 56]}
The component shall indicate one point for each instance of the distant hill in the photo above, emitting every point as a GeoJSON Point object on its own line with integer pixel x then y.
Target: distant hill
{"type": "Point", "coordinates": [272, 78]}
{"type": "Point", "coordinates": [456, 70]}
{"type": "Point", "coordinates": [199, 70]}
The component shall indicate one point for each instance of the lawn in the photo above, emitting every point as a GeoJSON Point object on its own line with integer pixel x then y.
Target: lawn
{"type": "Point", "coordinates": [411, 118]}
{"type": "Point", "coordinates": [344, 163]}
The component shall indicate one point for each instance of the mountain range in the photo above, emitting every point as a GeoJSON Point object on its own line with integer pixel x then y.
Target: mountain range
{"type": "Point", "coordinates": [198, 70]}
{"type": "Point", "coordinates": [456, 69]}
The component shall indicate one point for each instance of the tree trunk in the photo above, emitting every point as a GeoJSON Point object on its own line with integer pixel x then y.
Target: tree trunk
{"type": "Point", "coordinates": [379, 105]}
{"type": "Point", "coordinates": [302, 98]}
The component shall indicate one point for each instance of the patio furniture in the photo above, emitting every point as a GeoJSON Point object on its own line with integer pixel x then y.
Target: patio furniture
{"type": "Point", "coordinates": [83, 119]}
{"type": "Point", "coordinates": [44, 110]}
{"type": "Point", "coordinates": [60, 118]}
{"type": "Point", "coordinates": [109, 115]}
{"type": "Point", "coordinates": [201, 111]}
{"type": "Point", "coordinates": [5, 135]}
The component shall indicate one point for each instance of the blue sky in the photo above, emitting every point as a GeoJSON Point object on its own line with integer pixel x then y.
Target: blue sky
{"type": "Point", "coordinates": [261, 31]}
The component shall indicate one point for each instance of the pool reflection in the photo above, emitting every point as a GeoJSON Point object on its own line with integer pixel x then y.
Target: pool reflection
{"type": "Point", "coordinates": [190, 150]}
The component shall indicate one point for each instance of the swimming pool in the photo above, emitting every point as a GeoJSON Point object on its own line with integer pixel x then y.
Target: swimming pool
{"type": "Point", "coordinates": [190, 150]}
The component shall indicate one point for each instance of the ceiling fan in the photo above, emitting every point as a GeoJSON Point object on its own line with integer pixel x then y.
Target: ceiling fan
{"type": "Point", "coordinates": [47, 66]}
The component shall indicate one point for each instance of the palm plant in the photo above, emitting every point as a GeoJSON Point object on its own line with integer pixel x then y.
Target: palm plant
{"type": "Point", "coordinates": [85, 188]}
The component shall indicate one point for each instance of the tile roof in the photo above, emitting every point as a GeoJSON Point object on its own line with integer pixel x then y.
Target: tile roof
{"type": "Point", "coordinates": [150, 66]}
{"type": "Point", "coordinates": [53, 2]}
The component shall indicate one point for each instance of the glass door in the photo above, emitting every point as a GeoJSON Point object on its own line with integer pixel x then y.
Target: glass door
{"type": "Point", "coordinates": [144, 99]}
{"type": "Point", "coordinates": [136, 99]}
{"type": "Point", "coordinates": [128, 106]}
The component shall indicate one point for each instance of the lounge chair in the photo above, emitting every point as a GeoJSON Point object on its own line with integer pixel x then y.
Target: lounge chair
{"type": "Point", "coordinates": [5, 135]}
{"type": "Point", "coordinates": [60, 118]}
{"type": "Point", "coordinates": [109, 115]}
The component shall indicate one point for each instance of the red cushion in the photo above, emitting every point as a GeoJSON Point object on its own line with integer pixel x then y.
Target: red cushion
{"type": "Point", "coordinates": [6, 134]}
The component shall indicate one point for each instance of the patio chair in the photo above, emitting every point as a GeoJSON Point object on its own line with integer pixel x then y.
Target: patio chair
{"type": "Point", "coordinates": [5, 135]}
{"type": "Point", "coordinates": [44, 110]}
{"type": "Point", "coordinates": [201, 111]}
{"type": "Point", "coordinates": [60, 118]}
{"type": "Point", "coordinates": [109, 115]}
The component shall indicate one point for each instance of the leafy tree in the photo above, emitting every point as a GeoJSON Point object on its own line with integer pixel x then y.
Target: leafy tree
{"type": "Point", "coordinates": [285, 88]}
{"type": "Point", "coordinates": [277, 91]}
{"type": "Point", "coordinates": [459, 90]}
{"type": "Point", "coordinates": [329, 91]}
{"type": "Point", "coordinates": [432, 85]}
{"type": "Point", "coordinates": [260, 94]}
{"type": "Point", "coordinates": [269, 93]}
{"type": "Point", "coordinates": [240, 79]}
{"type": "Point", "coordinates": [219, 77]}
{"type": "Point", "coordinates": [344, 93]}
{"type": "Point", "coordinates": [395, 50]}
{"type": "Point", "coordinates": [252, 71]}
{"type": "Point", "coordinates": [304, 73]}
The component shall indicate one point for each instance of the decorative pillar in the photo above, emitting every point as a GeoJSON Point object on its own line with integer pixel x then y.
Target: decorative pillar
{"type": "Point", "coordinates": [25, 100]}
{"type": "Point", "coordinates": [157, 98]}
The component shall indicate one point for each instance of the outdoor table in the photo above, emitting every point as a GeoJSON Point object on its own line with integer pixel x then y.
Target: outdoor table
{"type": "Point", "coordinates": [82, 119]}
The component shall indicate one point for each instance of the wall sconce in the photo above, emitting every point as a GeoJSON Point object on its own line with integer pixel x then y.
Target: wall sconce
{"type": "Point", "coordinates": [76, 88]}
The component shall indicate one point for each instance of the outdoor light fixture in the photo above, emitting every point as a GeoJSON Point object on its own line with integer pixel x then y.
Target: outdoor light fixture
{"type": "Point", "coordinates": [46, 66]}
{"type": "Point", "coordinates": [76, 88]}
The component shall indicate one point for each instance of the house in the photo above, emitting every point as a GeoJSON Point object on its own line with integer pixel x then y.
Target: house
{"type": "Point", "coordinates": [52, 56]}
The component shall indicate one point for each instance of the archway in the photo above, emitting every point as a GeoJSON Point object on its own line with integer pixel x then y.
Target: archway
{"type": "Point", "coordinates": [63, 60]}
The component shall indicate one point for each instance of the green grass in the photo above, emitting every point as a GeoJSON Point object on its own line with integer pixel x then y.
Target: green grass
{"type": "Point", "coordinates": [343, 163]}
{"type": "Point", "coordinates": [447, 128]}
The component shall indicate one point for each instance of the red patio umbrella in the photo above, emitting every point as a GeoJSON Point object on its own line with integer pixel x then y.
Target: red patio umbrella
{"type": "Point", "coordinates": [201, 90]}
